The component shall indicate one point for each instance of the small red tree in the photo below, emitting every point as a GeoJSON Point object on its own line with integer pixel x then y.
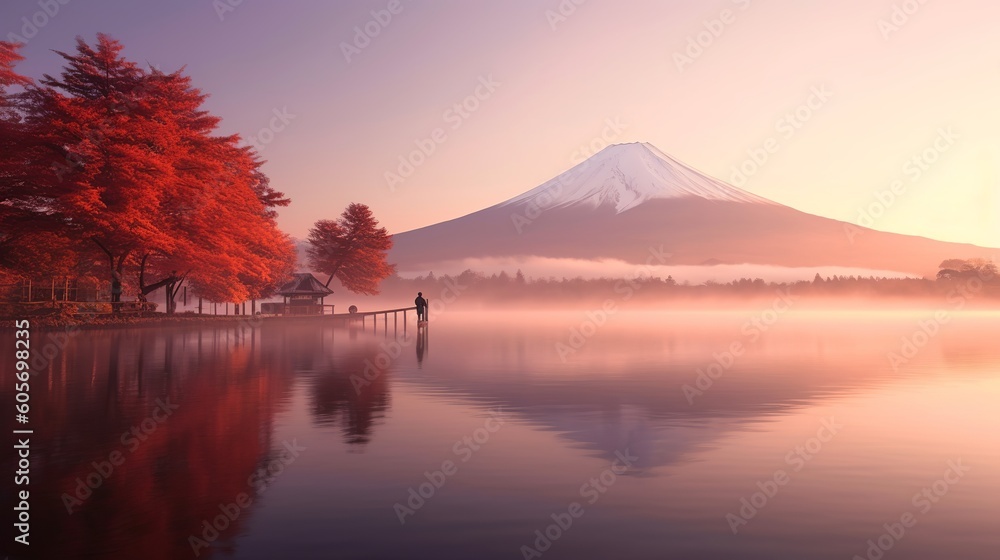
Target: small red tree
{"type": "Point", "coordinates": [353, 249]}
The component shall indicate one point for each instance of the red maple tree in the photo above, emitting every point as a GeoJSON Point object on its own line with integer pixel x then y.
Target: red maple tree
{"type": "Point", "coordinates": [31, 246]}
{"type": "Point", "coordinates": [353, 249]}
{"type": "Point", "coordinates": [247, 257]}
{"type": "Point", "coordinates": [11, 136]}
{"type": "Point", "coordinates": [222, 218]}
{"type": "Point", "coordinates": [109, 158]}
{"type": "Point", "coordinates": [126, 161]}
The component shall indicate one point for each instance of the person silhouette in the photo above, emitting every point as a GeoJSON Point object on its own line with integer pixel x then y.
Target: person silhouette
{"type": "Point", "coordinates": [421, 304]}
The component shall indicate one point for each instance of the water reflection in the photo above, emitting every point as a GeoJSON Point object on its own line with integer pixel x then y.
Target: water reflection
{"type": "Point", "coordinates": [201, 416]}
{"type": "Point", "coordinates": [140, 435]}
{"type": "Point", "coordinates": [422, 336]}
{"type": "Point", "coordinates": [353, 393]}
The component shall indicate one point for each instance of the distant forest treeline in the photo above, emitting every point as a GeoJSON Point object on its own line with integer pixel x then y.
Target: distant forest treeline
{"type": "Point", "coordinates": [956, 279]}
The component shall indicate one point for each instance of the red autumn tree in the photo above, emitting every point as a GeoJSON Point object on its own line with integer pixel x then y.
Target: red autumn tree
{"type": "Point", "coordinates": [31, 247]}
{"type": "Point", "coordinates": [110, 157]}
{"type": "Point", "coordinates": [11, 136]}
{"type": "Point", "coordinates": [251, 257]}
{"type": "Point", "coordinates": [353, 249]}
{"type": "Point", "coordinates": [273, 249]}
{"type": "Point", "coordinates": [222, 213]}
{"type": "Point", "coordinates": [9, 57]}
{"type": "Point", "coordinates": [131, 166]}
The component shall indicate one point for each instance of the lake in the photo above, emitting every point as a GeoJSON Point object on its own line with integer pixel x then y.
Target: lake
{"type": "Point", "coordinates": [698, 435]}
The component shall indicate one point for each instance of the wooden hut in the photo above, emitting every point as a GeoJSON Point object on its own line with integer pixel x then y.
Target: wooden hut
{"type": "Point", "coordinates": [304, 295]}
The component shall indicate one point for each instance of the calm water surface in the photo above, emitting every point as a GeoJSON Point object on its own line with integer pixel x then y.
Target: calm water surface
{"type": "Point", "coordinates": [810, 440]}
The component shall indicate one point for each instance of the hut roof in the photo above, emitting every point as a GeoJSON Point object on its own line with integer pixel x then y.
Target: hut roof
{"type": "Point", "coordinates": [304, 283]}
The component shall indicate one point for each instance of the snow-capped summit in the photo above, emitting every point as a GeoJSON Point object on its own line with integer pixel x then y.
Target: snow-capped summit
{"type": "Point", "coordinates": [631, 198]}
{"type": "Point", "coordinates": [627, 175]}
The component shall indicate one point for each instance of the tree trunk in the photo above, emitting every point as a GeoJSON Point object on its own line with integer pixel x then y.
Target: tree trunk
{"type": "Point", "coordinates": [116, 284]}
{"type": "Point", "coordinates": [116, 277]}
{"type": "Point", "coordinates": [169, 297]}
{"type": "Point", "coordinates": [148, 289]}
{"type": "Point", "coordinates": [172, 288]}
{"type": "Point", "coordinates": [336, 269]}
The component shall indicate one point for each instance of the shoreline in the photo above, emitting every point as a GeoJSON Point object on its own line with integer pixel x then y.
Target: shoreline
{"type": "Point", "coordinates": [832, 306]}
{"type": "Point", "coordinates": [60, 322]}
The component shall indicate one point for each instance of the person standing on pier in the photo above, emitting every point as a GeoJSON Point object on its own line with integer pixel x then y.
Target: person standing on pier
{"type": "Point", "coordinates": [421, 304]}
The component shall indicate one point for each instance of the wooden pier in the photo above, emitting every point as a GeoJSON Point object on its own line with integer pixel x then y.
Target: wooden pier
{"type": "Point", "coordinates": [384, 313]}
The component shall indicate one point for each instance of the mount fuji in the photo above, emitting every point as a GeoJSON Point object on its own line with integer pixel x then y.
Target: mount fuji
{"type": "Point", "coordinates": [630, 198]}
{"type": "Point", "coordinates": [627, 175]}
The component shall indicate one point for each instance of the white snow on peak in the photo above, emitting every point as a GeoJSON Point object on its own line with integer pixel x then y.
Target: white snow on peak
{"type": "Point", "coordinates": [627, 175]}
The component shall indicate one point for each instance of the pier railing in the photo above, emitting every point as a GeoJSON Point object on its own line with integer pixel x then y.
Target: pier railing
{"type": "Point", "coordinates": [361, 315]}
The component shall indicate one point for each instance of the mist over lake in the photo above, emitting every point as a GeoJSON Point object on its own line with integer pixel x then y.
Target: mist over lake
{"type": "Point", "coordinates": [673, 433]}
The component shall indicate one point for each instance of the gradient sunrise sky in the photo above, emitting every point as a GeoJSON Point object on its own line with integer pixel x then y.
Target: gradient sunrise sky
{"type": "Point", "coordinates": [621, 69]}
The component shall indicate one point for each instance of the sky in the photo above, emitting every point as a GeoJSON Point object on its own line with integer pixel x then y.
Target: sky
{"type": "Point", "coordinates": [876, 112]}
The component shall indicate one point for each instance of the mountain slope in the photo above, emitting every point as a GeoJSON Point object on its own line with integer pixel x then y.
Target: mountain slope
{"type": "Point", "coordinates": [631, 197]}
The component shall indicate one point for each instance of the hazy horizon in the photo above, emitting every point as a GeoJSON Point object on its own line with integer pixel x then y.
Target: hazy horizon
{"type": "Point", "coordinates": [569, 84]}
